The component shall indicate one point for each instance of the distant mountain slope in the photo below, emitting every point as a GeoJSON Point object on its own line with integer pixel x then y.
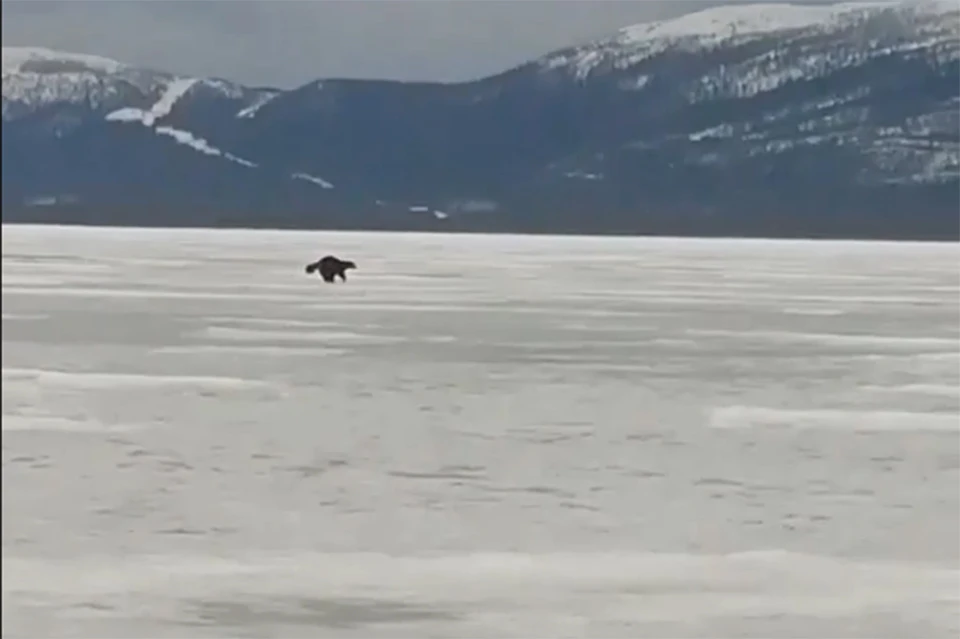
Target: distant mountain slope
{"type": "Point", "coordinates": [769, 119]}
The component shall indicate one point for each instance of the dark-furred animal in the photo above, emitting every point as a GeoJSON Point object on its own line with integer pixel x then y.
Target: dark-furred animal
{"type": "Point", "coordinates": [331, 267]}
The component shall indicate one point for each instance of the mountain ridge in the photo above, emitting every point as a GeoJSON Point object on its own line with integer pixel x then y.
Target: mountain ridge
{"type": "Point", "coordinates": [828, 117]}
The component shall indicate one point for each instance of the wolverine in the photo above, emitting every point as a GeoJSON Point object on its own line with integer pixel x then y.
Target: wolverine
{"type": "Point", "coordinates": [331, 267]}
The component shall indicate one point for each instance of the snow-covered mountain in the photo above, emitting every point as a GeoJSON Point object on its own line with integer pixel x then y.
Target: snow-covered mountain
{"type": "Point", "coordinates": [750, 119]}
{"type": "Point", "coordinates": [922, 23]}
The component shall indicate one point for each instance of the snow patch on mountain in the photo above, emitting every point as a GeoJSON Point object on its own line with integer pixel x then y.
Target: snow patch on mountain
{"type": "Point", "coordinates": [721, 131]}
{"type": "Point", "coordinates": [223, 87]}
{"type": "Point", "coordinates": [426, 210]}
{"type": "Point", "coordinates": [312, 178]}
{"type": "Point", "coordinates": [634, 84]}
{"type": "Point", "coordinates": [127, 114]}
{"type": "Point", "coordinates": [176, 89]}
{"type": "Point", "coordinates": [50, 200]}
{"type": "Point", "coordinates": [583, 175]}
{"type": "Point", "coordinates": [263, 99]}
{"type": "Point", "coordinates": [188, 139]}
{"type": "Point", "coordinates": [905, 160]}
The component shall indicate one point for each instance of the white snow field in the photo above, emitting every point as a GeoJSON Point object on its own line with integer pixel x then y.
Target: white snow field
{"type": "Point", "coordinates": [478, 436]}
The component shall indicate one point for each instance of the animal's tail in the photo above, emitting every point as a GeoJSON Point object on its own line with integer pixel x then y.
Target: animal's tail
{"type": "Point", "coordinates": [312, 267]}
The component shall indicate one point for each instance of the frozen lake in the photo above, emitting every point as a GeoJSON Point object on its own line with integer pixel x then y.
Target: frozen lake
{"type": "Point", "coordinates": [478, 437]}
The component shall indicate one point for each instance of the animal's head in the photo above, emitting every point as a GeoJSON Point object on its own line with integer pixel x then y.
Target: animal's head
{"type": "Point", "coordinates": [347, 265]}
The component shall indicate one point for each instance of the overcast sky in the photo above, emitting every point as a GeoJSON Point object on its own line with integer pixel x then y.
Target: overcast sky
{"type": "Point", "coordinates": [284, 43]}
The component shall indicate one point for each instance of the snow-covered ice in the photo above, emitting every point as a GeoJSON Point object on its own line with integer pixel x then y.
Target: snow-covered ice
{"type": "Point", "coordinates": [478, 436]}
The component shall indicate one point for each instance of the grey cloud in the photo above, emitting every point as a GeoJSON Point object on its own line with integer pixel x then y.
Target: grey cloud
{"type": "Point", "coordinates": [280, 43]}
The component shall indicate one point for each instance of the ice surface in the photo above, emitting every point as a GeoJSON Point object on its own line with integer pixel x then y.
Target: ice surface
{"type": "Point", "coordinates": [478, 436]}
{"type": "Point", "coordinates": [531, 595]}
{"type": "Point", "coordinates": [84, 380]}
{"type": "Point", "coordinates": [849, 420]}
{"type": "Point", "coordinates": [320, 334]}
